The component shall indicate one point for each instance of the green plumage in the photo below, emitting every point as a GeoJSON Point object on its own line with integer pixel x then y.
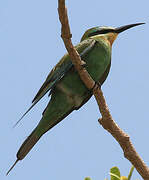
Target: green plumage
{"type": "Point", "coordinates": [67, 91]}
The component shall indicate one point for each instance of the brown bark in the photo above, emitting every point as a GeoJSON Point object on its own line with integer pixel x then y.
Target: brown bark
{"type": "Point", "coordinates": [106, 121]}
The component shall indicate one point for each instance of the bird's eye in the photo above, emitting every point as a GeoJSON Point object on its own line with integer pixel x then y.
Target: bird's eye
{"type": "Point", "coordinates": [102, 31]}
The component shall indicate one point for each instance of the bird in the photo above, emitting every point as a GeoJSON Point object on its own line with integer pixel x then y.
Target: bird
{"type": "Point", "coordinates": [67, 91]}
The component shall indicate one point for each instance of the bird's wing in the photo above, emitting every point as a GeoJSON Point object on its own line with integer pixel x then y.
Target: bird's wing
{"type": "Point", "coordinates": [59, 71]}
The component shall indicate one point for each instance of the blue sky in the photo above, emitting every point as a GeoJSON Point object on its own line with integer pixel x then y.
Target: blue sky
{"type": "Point", "coordinates": [30, 45]}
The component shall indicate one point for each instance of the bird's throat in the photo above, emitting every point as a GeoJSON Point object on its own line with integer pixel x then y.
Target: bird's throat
{"type": "Point", "coordinates": [111, 37]}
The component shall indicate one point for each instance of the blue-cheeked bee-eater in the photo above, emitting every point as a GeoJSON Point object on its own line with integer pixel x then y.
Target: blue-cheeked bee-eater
{"type": "Point", "coordinates": [63, 83]}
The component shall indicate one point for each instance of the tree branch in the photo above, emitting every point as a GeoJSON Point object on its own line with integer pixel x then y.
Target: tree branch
{"type": "Point", "coordinates": [106, 121]}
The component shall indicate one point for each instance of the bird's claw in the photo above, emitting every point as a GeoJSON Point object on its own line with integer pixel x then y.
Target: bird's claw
{"type": "Point", "coordinates": [97, 84]}
{"type": "Point", "coordinates": [83, 64]}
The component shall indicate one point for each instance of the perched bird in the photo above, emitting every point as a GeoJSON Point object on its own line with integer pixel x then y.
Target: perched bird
{"type": "Point", "coordinates": [67, 91]}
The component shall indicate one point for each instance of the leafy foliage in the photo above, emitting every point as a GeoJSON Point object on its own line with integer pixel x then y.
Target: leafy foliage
{"type": "Point", "coordinates": [116, 175]}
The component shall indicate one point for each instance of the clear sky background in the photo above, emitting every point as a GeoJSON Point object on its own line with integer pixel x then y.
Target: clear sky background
{"type": "Point", "coordinates": [30, 45]}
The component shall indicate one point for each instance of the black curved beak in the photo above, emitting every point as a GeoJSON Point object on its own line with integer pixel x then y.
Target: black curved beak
{"type": "Point", "coordinates": [123, 28]}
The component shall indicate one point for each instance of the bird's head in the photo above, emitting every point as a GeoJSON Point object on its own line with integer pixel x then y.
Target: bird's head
{"type": "Point", "coordinates": [110, 32]}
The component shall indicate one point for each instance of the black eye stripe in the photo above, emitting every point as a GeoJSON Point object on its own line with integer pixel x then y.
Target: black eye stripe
{"type": "Point", "coordinates": [103, 31]}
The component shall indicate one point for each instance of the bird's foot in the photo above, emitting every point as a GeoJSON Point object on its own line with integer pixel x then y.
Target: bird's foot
{"type": "Point", "coordinates": [83, 64]}
{"type": "Point", "coordinates": [97, 84]}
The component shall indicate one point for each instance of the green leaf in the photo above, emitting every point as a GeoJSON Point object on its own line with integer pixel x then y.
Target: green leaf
{"type": "Point", "coordinates": [130, 173]}
{"type": "Point", "coordinates": [124, 178]}
{"type": "Point", "coordinates": [87, 178]}
{"type": "Point", "coordinates": [115, 173]}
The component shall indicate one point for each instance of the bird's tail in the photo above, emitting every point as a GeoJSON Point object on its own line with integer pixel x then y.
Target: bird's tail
{"type": "Point", "coordinates": [55, 112]}
{"type": "Point", "coordinates": [26, 147]}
